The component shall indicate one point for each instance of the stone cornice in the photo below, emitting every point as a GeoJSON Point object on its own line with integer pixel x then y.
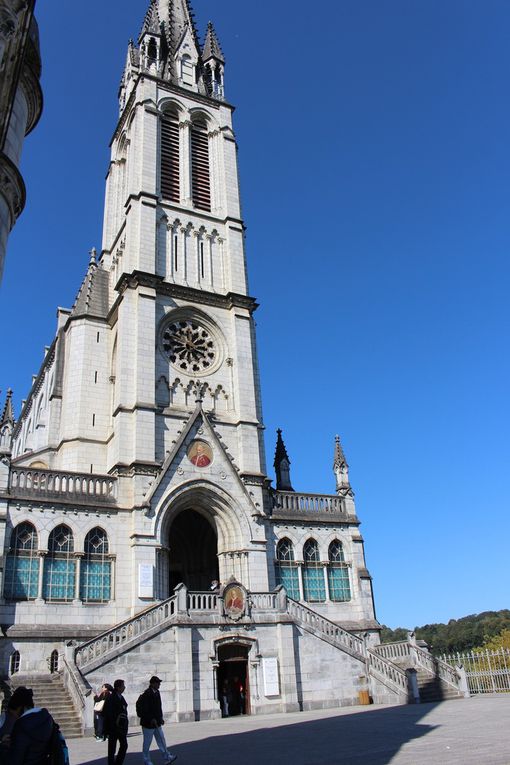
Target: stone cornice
{"type": "Point", "coordinates": [12, 187]}
{"type": "Point", "coordinates": [180, 292]}
{"type": "Point", "coordinates": [312, 518]}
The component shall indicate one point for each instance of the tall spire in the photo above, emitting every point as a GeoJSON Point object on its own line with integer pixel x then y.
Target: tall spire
{"type": "Point", "coordinates": [7, 414]}
{"type": "Point", "coordinates": [212, 47]}
{"type": "Point", "coordinates": [7, 425]}
{"type": "Point", "coordinates": [282, 464]}
{"type": "Point", "coordinates": [151, 23]}
{"type": "Point", "coordinates": [340, 469]}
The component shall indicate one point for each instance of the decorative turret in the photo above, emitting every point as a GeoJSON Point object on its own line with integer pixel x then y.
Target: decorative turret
{"type": "Point", "coordinates": [7, 424]}
{"type": "Point", "coordinates": [212, 57]}
{"type": "Point", "coordinates": [282, 465]}
{"type": "Point", "coordinates": [92, 297]}
{"type": "Point", "coordinates": [341, 469]}
{"type": "Point", "coordinates": [150, 40]}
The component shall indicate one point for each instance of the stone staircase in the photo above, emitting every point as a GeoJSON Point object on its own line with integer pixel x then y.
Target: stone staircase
{"type": "Point", "coordinates": [50, 692]}
{"type": "Point", "coordinates": [437, 681]}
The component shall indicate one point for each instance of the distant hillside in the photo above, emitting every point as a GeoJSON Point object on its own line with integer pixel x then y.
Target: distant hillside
{"type": "Point", "coordinates": [458, 635]}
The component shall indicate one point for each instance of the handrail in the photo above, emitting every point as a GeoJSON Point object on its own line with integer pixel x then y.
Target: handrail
{"type": "Point", "coordinates": [394, 651]}
{"type": "Point", "coordinates": [332, 632]}
{"type": "Point", "coordinates": [36, 481]}
{"type": "Point", "coordinates": [438, 667]}
{"type": "Point", "coordinates": [307, 503]}
{"type": "Point", "coordinates": [126, 634]}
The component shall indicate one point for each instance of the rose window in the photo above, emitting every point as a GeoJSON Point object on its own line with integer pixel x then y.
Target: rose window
{"type": "Point", "coordinates": [189, 346]}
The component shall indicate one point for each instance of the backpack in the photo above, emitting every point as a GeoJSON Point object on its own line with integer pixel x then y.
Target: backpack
{"type": "Point", "coordinates": [58, 753]}
{"type": "Point", "coordinates": [139, 706]}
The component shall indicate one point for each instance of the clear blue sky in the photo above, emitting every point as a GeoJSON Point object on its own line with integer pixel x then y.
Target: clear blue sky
{"type": "Point", "coordinates": [374, 158]}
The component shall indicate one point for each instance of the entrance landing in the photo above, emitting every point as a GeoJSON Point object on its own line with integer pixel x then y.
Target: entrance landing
{"type": "Point", "coordinates": [467, 732]}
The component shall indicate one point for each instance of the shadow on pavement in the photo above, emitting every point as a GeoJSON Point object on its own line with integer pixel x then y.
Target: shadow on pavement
{"type": "Point", "coordinates": [368, 738]}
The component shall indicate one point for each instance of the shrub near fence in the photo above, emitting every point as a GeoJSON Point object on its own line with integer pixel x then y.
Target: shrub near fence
{"type": "Point", "coordinates": [486, 671]}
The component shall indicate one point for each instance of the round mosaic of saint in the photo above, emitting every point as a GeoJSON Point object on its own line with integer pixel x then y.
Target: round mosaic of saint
{"type": "Point", "coordinates": [189, 346]}
{"type": "Point", "coordinates": [200, 454]}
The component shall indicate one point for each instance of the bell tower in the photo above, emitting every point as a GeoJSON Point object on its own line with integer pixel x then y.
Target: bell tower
{"type": "Point", "coordinates": [173, 245]}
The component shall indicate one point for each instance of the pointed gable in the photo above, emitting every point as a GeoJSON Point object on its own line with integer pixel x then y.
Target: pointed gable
{"type": "Point", "coordinates": [212, 48]}
{"type": "Point", "coordinates": [92, 298]}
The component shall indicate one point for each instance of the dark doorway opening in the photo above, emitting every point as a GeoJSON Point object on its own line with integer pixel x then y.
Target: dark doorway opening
{"type": "Point", "coordinates": [193, 556]}
{"type": "Point", "coordinates": [233, 680]}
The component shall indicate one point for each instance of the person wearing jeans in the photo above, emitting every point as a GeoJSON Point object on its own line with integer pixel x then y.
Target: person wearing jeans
{"type": "Point", "coordinates": [149, 710]}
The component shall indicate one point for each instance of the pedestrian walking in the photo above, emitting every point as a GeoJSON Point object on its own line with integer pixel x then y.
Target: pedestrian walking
{"type": "Point", "coordinates": [116, 723]}
{"type": "Point", "coordinates": [32, 731]}
{"type": "Point", "coordinates": [99, 702]}
{"type": "Point", "coordinates": [149, 710]}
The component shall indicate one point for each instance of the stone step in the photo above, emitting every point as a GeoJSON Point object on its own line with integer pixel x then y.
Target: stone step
{"type": "Point", "coordinates": [50, 693]}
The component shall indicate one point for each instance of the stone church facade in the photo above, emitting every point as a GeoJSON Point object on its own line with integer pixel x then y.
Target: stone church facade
{"type": "Point", "coordinates": [135, 474]}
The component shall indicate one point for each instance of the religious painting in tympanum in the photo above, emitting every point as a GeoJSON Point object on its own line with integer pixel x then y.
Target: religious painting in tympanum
{"type": "Point", "coordinates": [200, 454]}
{"type": "Point", "coordinates": [193, 551]}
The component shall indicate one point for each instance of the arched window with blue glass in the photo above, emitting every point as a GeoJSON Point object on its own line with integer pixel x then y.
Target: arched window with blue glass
{"type": "Point", "coordinates": [96, 568]}
{"type": "Point", "coordinates": [21, 574]}
{"type": "Point", "coordinates": [338, 573]}
{"type": "Point", "coordinates": [314, 588]}
{"type": "Point", "coordinates": [286, 568]}
{"type": "Point", "coordinates": [59, 576]}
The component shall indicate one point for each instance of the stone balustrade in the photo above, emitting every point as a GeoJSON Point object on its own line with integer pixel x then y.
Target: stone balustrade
{"type": "Point", "coordinates": [294, 502]}
{"type": "Point", "coordinates": [438, 667]}
{"type": "Point", "coordinates": [327, 629]}
{"type": "Point", "coordinates": [387, 672]}
{"type": "Point", "coordinates": [394, 651]}
{"type": "Point", "coordinates": [60, 484]}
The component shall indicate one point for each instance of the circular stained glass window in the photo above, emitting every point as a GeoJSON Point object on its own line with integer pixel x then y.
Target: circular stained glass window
{"type": "Point", "coordinates": [189, 346]}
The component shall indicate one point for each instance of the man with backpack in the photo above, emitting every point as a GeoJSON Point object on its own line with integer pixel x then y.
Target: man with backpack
{"type": "Point", "coordinates": [116, 723]}
{"type": "Point", "coordinates": [149, 710]}
{"type": "Point", "coordinates": [32, 733]}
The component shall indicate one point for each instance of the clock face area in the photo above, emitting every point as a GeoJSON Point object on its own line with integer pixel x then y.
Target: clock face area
{"type": "Point", "coordinates": [190, 347]}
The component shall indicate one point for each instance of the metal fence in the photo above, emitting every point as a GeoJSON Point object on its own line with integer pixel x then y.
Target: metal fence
{"type": "Point", "coordinates": [486, 671]}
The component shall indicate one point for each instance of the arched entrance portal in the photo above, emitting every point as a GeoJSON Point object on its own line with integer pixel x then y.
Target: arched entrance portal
{"type": "Point", "coordinates": [193, 557]}
{"type": "Point", "coordinates": [233, 679]}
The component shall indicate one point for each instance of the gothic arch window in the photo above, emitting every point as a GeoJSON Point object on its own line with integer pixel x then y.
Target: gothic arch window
{"type": "Point", "coordinates": [96, 573]}
{"type": "Point", "coordinates": [53, 661]}
{"type": "Point", "coordinates": [314, 588]}
{"type": "Point", "coordinates": [187, 70]}
{"type": "Point", "coordinates": [14, 663]}
{"type": "Point", "coordinates": [59, 575]}
{"type": "Point", "coordinates": [200, 177]}
{"type": "Point", "coordinates": [169, 152]}
{"type": "Point", "coordinates": [22, 564]}
{"type": "Point", "coordinates": [338, 573]}
{"type": "Point", "coordinates": [286, 568]}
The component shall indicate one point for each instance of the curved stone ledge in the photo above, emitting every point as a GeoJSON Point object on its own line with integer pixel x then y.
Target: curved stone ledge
{"type": "Point", "coordinates": [12, 187]}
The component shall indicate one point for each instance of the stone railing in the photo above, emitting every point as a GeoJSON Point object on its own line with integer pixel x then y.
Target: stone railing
{"type": "Point", "coordinates": [294, 502]}
{"type": "Point", "coordinates": [326, 629]}
{"type": "Point", "coordinates": [264, 601]}
{"type": "Point", "coordinates": [388, 673]}
{"type": "Point", "coordinates": [202, 601]}
{"type": "Point", "coordinates": [397, 652]}
{"type": "Point", "coordinates": [378, 666]}
{"type": "Point", "coordinates": [37, 482]}
{"type": "Point", "coordinates": [125, 635]}
{"type": "Point", "coordinates": [437, 667]}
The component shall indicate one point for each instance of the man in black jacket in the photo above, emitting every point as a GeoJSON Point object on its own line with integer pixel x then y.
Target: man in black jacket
{"type": "Point", "coordinates": [116, 723]}
{"type": "Point", "coordinates": [148, 709]}
{"type": "Point", "coordinates": [31, 733]}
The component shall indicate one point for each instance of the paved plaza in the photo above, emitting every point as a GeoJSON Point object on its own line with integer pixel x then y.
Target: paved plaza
{"type": "Point", "coordinates": [462, 732]}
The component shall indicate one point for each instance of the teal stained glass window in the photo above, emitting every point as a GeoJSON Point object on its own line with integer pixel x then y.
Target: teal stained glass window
{"type": "Point", "coordinates": [338, 573]}
{"type": "Point", "coordinates": [59, 575]}
{"type": "Point", "coordinates": [21, 574]}
{"type": "Point", "coordinates": [286, 569]}
{"type": "Point", "coordinates": [96, 568]}
{"type": "Point", "coordinates": [314, 587]}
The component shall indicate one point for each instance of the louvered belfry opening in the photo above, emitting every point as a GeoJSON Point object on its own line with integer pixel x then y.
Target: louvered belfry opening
{"type": "Point", "coordinates": [201, 186]}
{"type": "Point", "coordinates": [170, 158]}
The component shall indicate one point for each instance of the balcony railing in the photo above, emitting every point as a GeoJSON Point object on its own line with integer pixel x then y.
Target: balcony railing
{"type": "Point", "coordinates": [59, 484]}
{"type": "Point", "coordinates": [292, 501]}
